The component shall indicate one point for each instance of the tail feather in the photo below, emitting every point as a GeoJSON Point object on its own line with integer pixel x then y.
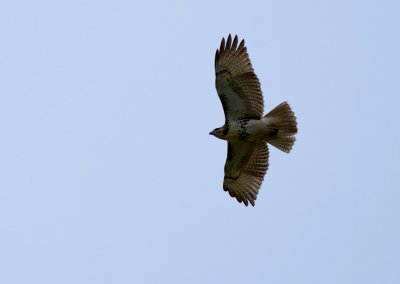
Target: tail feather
{"type": "Point", "coordinates": [282, 119]}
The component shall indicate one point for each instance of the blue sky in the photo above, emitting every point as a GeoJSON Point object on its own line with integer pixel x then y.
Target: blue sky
{"type": "Point", "coordinates": [108, 174]}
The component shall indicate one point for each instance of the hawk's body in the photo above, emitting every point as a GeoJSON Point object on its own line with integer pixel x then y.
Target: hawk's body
{"type": "Point", "coordinates": [246, 129]}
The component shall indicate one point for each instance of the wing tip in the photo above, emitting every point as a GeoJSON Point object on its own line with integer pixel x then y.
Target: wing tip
{"type": "Point", "coordinates": [222, 45]}
{"type": "Point", "coordinates": [230, 44]}
{"type": "Point", "coordinates": [241, 199]}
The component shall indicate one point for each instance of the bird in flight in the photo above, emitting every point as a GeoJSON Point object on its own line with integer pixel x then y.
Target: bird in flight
{"type": "Point", "coordinates": [246, 130]}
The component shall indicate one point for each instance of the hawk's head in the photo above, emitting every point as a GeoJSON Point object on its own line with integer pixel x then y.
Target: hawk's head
{"type": "Point", "coordinates": [220, 132]}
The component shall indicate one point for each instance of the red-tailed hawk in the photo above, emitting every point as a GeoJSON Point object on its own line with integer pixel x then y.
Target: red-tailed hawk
{"type": "Point", "coordinates": [246, 129]}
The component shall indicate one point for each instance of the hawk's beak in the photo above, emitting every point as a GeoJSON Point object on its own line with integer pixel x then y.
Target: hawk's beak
{"type": "Point", "coordinates": [211, 133]}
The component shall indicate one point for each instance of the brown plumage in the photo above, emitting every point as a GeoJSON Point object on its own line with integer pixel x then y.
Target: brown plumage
{"type": "Point", "coordinates": [243, 178]}
{"type": "Point", "coordinates": [246, 129]}
{"type": "Point", "coordinates": [234, 72]}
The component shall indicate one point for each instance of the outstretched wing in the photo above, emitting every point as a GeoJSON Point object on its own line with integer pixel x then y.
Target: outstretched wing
{"type": "Point", "coordinates": [237, 85]}
{"type": "Point", "coordinates": [245, 167]}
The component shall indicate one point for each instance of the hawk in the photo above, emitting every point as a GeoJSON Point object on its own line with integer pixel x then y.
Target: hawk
{"type": "Point", "coordinates": [246, 130]}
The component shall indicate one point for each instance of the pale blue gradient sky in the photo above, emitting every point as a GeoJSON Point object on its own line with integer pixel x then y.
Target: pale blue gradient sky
{"type": "Point", "coordinates": [108, 174]}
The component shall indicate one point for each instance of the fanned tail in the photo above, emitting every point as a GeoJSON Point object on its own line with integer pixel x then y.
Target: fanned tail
{"type": "Point", "coordinates": [283, 121]}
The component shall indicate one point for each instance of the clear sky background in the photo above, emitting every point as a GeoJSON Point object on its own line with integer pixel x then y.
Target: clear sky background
{"type": "Point", "coordinates": [108, 174]}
